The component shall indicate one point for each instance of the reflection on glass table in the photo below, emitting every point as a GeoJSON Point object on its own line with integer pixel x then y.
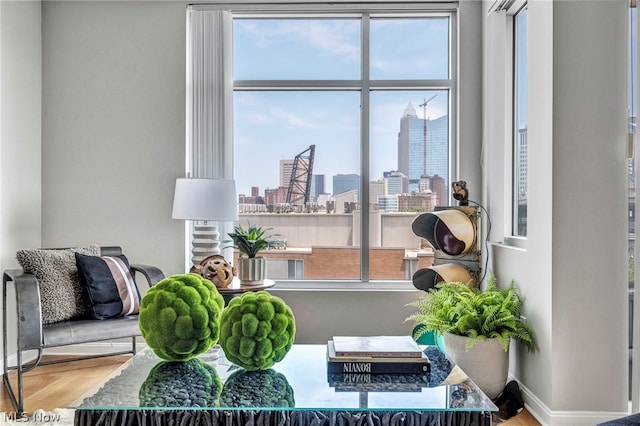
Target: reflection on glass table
{"type": "Point", "coordinates": [299, 382]}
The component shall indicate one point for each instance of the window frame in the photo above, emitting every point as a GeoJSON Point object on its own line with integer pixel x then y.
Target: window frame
{"type": "Point", "coordinates": [366, 12]}
{"type": "Point", "coordinates": [515, 237]}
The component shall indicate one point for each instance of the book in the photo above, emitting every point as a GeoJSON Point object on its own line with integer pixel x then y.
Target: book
{"type": "Point", "coordinates": [377, 346]}
{"type": "Point", "coordinates": [378, 382]}
{"type": "Point", "coordinates": [369, 365]}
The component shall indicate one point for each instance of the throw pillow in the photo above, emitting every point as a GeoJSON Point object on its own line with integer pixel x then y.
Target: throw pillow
{"type": "Point", "coordinates": [109, 284]}
{"type": "Point", "coordinates": [62, 296]}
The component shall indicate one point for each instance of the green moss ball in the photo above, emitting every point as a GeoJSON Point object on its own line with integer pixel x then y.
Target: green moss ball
{"type": "Point", "coordinates": [262, 388]}
{"type": "Point", "coordinates": [256, 330]}
{"type": "Point", "coordinates": [180, 316]}
{"type": "Point", "coordinates": [191, 383]}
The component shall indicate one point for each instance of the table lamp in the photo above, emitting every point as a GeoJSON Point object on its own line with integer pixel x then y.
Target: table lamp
{"type": "Point", "coordinates": [205, 200]}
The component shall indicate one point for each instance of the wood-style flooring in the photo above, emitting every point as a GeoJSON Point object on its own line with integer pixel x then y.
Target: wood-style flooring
{"type": "Point", "coordinates": [59, 385]}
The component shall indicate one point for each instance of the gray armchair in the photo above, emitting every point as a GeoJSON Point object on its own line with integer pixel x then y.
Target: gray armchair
{"type": "Point", "coordinates": [33, 335]}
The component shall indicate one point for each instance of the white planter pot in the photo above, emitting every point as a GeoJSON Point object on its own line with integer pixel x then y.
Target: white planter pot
{"type": "Point", "coordinates": [486, 363]}
{"type": "Point", "coordinates": [252, 271]}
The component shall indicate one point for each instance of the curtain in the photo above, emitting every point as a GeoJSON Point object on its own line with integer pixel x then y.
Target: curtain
{"type": "Point", "coordinates": [209, 94]}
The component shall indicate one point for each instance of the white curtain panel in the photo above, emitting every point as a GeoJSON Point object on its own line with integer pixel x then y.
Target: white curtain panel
{"type": "Point", "coordinates": [209, 94]}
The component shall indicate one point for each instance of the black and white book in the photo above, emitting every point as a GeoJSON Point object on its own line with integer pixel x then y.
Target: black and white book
{"type": "Point", "coordinates": [372, 365]}
{"type": "Point", "coordinates": [377, 346]}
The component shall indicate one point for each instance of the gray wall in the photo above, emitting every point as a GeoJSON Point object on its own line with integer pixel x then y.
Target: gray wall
{"type": "Point", "coordinates": [20, 129]}
{"type": "Point", "coordinates": [572, 267]}
{"type": "Point", "coordinates": [113, 126]}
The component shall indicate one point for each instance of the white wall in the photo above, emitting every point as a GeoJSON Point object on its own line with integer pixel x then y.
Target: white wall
{"type": "Point", "coordinates": [20, 129]}
{"type": "Point", "coordinates": [572, 267]}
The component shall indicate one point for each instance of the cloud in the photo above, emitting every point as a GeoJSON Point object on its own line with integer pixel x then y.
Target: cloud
{"type": "Point", "coordinates": [290, 119]}
{"type": "Point", "coordinates": [334, 37]}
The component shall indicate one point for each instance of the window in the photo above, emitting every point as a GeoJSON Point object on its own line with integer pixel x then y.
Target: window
{"type": "Point", "coordinates": [342, 134]}
{"type": "Point", "coordinates": [520, 139]}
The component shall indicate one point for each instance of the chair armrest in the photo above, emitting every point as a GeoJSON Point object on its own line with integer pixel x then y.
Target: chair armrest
{"type": "Point", "coordinates": [28, 308]}
{"type": "Point", "coordinates": [151, 273]}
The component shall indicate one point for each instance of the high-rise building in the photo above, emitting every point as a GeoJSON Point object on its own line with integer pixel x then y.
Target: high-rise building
{"type": "Point", "coordinates": [317, 186]}
{"type": "Point", "coordinates": [522, 155]}
{"type": "Point", "coordinates": [346, 182]}
{"type": "Point", "coordinates": [397, 183]}
{"type": "Point", "coordinates": [423, 146]}
{"type": "Point", "coordinates": [439, 187]}
{"type": "Point", "coordinates": [286, 168]}
{"type": "Point", "coordinates": [377, 189]}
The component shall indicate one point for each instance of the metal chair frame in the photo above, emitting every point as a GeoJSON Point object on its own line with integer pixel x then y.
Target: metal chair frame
{"type": "Point", "coordinates": [31, 331]}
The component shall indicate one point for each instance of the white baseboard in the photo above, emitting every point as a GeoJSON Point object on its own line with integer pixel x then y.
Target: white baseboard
{"type": "Point", "coordinates": [547, 417]}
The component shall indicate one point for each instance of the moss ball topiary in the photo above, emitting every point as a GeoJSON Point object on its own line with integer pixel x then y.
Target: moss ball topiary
{"type": "Point", "coordinates": [191, 383]}
{"type": "Point", "coordinates": [256, 330]}
{"type": "Point", "coordinates": [180, 316]}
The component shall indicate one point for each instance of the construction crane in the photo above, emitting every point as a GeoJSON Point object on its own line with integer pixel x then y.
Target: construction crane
{"type": "Point", "coordinates": [300, 183]}
{"type": "Point", "coordinates": [424, 131]}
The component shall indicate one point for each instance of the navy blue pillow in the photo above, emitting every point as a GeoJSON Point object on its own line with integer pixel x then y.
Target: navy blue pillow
{"type": "Point", "coordinates": [109, 284]}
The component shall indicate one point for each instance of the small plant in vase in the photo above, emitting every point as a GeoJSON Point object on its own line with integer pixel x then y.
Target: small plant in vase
{"type": "Point", "coordinates": [250, 241]}
{"type": "Point", "coordinates": [477, 327]}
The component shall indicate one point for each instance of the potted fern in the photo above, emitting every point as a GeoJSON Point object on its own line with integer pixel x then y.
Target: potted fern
{"type": "Point", "coordinates": [477, 327]}
{"type": "Point", "coordinates": [252, 269]}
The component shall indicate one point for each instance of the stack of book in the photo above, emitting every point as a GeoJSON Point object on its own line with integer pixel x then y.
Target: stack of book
{"type": "Point", "coordinates": [380, 360]}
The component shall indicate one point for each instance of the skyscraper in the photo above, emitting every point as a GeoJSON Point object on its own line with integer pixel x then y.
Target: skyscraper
{"type": "Point", "coordinates": [317, 186]}
{"type": "Point", "coordinates": [286, 168]}
{"type": "Point", "coordinates": [417, 134]}
{"type": "Point", "coordinates": [346, 182]}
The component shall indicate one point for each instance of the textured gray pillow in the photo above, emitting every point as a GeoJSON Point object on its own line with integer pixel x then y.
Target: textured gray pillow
{"type": "Point", "coordinates": [62, 295]}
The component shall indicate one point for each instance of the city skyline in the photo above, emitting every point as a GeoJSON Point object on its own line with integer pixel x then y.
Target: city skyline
{"type": "Point", "coordinates": [281, 168]}
{"type": "Point", "coordinates": [275, 122]}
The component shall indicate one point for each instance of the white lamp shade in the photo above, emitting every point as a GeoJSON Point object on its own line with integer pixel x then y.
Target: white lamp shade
{"type": "Point", "coordinates": [205, 199]}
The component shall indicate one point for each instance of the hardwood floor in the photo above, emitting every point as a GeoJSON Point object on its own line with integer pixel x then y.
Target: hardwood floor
{"type": "Point", "coordinates": [57, 386]}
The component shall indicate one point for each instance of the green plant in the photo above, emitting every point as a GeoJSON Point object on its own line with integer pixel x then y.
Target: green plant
{"type": "Point", "coordinates": [256, 330]}
{"type": "Point", "coordinates": [250, 241]}
{"type": "Point", "coordinates": [180, 316]}
{"type": "Point", "coordinates": [455, 308]}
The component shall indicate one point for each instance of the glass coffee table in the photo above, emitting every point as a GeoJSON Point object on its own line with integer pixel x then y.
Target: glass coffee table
{"type": "Point", "coordinates": [296, 391]}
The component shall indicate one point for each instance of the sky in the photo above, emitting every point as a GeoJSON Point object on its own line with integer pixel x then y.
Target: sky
{"type": "Point", "coordinates": [270, 126]}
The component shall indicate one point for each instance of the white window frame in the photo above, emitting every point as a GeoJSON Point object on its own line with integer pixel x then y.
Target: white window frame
{"type": "Point", "coordinates": [510, 238]}
{"type": "Point", "coordinates": [209, 140]}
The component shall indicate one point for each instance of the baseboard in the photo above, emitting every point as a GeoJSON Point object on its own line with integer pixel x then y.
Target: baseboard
{"type": "Point", "coordinates": [546, 417]}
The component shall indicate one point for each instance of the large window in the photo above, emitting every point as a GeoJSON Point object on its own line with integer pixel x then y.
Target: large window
{"type": "Point", "coordinates": [520, 138]}
{"type": "Point", "coordinates": [342, 135]}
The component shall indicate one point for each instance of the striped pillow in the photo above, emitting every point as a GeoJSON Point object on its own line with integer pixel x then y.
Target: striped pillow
{"type": "Point", "coordinates": [109, 284]}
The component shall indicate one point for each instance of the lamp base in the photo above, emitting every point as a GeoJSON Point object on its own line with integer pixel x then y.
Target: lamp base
{"type": "Point", "coordinates": [205, 242]}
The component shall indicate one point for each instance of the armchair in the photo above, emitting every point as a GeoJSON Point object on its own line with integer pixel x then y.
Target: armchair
{"type": "Point", "coordinates": [34, 334]}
